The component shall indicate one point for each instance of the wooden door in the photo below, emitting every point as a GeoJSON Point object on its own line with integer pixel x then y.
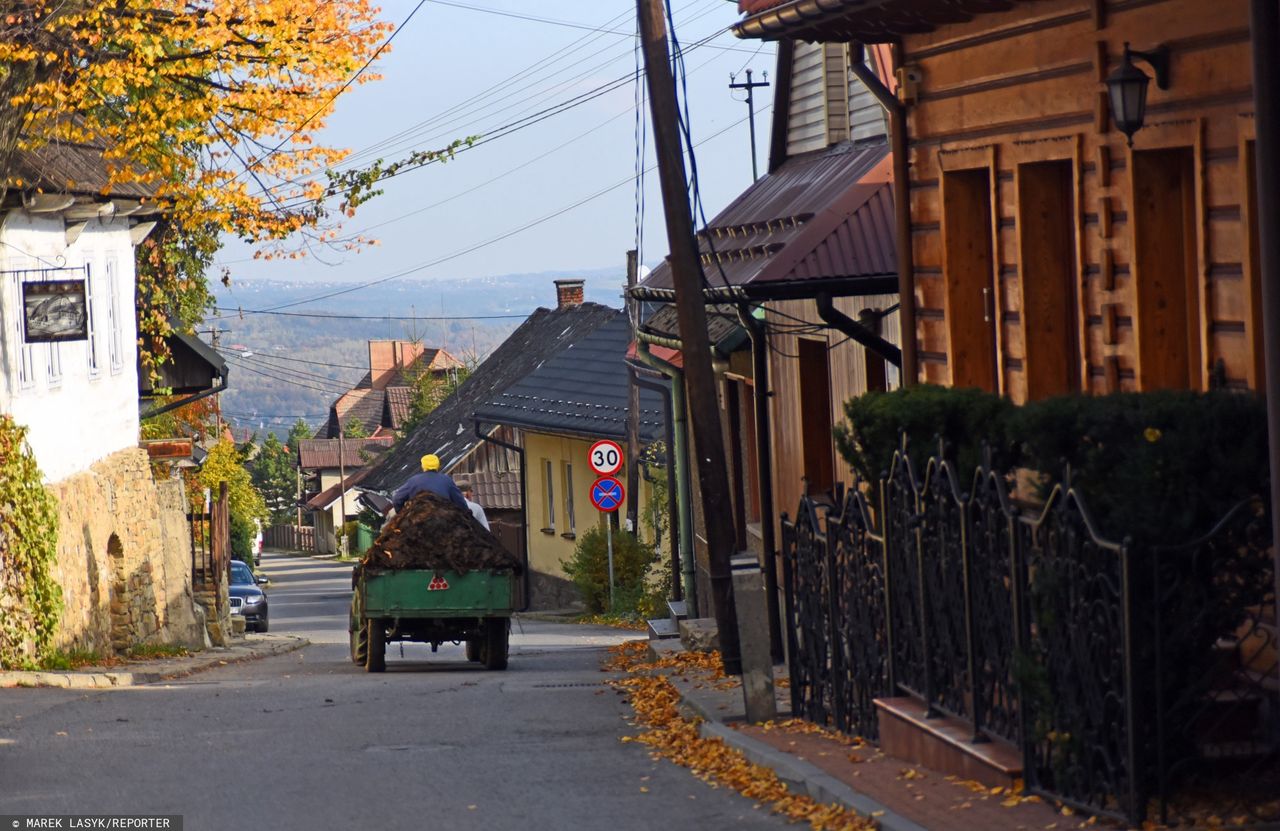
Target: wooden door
{"type": "Point", "coordinates": [969, 269]}
{"type": "Point", "coordinates": [815, 416]}
{"type": "Point", "coordinates": [1047, 259]}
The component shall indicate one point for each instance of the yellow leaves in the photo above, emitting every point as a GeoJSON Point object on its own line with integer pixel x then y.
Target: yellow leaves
{"type": "Point", "coordinates": [910, 773]}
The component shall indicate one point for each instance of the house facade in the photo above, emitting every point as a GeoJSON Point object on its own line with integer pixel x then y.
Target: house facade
{"type": "Point", "coordinates": [331, 469]}
{"type": "Point", "coordinates": [124, 548]}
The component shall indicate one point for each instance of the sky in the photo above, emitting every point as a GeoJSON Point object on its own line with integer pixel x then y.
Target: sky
{"type": "Point", "coordinates": [467, 67]}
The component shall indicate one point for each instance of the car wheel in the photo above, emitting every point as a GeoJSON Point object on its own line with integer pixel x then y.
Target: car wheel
{"type": "Point", "coordinates": [496, 642]}
{"type": "Point", "coordinates": [262, 625]}
{"type": "Point", "coordinates": [358, 631]}
{"type": "Point", "coordinates": [377, 659]}
{"type": "Point", "coordinates": [474, 650]}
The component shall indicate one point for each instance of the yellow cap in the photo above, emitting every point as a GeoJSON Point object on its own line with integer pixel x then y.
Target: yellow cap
{"type": "Point", "coordinates": [431, 462]}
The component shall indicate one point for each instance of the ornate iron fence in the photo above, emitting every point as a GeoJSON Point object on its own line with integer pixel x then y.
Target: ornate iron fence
{"type": "Point", "coordinates": [1131, 679]}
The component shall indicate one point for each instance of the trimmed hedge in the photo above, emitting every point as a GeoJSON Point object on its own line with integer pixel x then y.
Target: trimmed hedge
{"type": "Point", "coordinates": [1158, 467]}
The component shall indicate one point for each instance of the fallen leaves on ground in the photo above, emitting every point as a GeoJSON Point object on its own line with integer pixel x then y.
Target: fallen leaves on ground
{"type": "Point", "coordinates": [616, 621]}
{"type": "Point", "coordinates": [676, 738]}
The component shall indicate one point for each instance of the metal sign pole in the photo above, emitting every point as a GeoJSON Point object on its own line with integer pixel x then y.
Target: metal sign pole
{"type": "Point", "coordinates": [608, 531]}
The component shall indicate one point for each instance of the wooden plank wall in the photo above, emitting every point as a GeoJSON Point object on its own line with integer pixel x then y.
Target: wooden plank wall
{"type": "Point", "coordinates": [848, 379]}
{"type": "Point", "coordinates": [1027, 85]}
{"type": "Point", "coordinates": [828, 103]}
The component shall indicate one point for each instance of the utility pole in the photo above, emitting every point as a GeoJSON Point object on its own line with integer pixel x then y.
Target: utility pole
{"type": "Point", "coordinates": [687, 279]}
{"type": "Point", "coordinates": [751, 112]}
{"type": "Point", "coordinates": [214, 337]}
{"type": "Point", "coordinates": [342, 478]}
{"type": "Point", "coordinates": [633, 404]}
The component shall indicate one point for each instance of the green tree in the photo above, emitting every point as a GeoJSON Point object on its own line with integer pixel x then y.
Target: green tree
{"type": "Point", "coordinates": [274, 475]}
{"type": "Point", "coordinates": [430, 389]}
{"type": "Point", "coordinates": [355, 429]}
{"type": "Point", "coordinates": [225, 464]}
{"type": "Point", "coordinates": [299, 431]}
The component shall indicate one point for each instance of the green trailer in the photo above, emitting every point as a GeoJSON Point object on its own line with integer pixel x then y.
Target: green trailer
{"type": "Point", "coordinates": [432, 606]}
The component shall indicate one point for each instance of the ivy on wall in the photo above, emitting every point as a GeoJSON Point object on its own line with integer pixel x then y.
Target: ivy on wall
{"type": "Point", "coordinates": [30, 598]}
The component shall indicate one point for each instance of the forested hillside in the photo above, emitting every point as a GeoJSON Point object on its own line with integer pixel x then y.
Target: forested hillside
{"type": "Point", "coordinates": [294, 360]}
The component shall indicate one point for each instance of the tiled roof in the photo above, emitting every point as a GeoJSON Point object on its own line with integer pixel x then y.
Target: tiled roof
{"type": "Point", "coordinates": [316, 454]}
{"type": "Point", "coordinates": [581, 390]}
{"type": "Point", "coordinates": [449, 430]}
{"type": "Point", "coordinates": [396, 406]}
{"type": "Point", "coordinates": [496, 491]}
{"type": "Point", "coordinates": [821, 215]}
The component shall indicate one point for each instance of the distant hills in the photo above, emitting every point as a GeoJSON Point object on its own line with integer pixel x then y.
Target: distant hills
{"type": "Point", "coordinates": [292, 364]}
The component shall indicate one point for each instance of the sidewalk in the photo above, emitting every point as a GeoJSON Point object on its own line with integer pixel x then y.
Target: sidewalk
{"type": "Point", "coordinates": [162, 669]}
{"type": "Point", "coordinates": [834, 769]}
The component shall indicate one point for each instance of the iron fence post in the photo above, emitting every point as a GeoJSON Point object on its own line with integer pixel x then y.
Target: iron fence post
{"type": "Point", "coordinates": [1137, 808]}
{"type": "Point", "coordinates": [834, 649]}
{"type": "Point", "coordinates": [886, 539]}
{"type": "Point", "coordinates": [922, 597]}
{"type": "Point", "coordinates": [966, 565]}
{"type": "Point", "coordinates": [1021, 632]}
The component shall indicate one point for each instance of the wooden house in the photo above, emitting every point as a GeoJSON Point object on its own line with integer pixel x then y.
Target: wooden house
{"type": "Point", "coordinates": [1048, 255]}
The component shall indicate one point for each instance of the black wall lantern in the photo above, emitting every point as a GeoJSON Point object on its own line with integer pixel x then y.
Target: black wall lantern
{"type": "Point", "coordinates": [1127, 88]}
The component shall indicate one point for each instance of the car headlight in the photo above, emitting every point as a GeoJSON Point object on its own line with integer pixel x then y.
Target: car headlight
{"type": "Point", "coordinates": [253, 599]}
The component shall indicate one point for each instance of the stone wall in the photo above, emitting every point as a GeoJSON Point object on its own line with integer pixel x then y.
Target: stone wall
{"type": "Point", "coordinates": [124, 559]}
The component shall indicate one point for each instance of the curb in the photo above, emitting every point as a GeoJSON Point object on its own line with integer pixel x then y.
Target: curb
{"type": "Point", "coordinates": [803, 777]}
{"type": "Point", "coordinates": [90, 680]}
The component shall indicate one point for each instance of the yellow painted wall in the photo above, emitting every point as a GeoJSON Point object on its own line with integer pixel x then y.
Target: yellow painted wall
{"type": "Point", "coordinates": [549, 548]}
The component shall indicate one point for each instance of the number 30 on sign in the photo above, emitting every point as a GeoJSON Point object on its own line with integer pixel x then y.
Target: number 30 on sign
{"type": "Point", "coordinates": [605, 457]}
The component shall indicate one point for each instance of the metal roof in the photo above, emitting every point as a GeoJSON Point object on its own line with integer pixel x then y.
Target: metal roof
{"type": "Point", "coordinates": [449, 430]}
{"type": "Point", "coordinates": [821, 216]}
{"type": "Point", "coordinates": [863, 21]}
{"type": "Point", "coordinates": [583, 390]}
{"type": "Point", "coordinates": [315, 454]}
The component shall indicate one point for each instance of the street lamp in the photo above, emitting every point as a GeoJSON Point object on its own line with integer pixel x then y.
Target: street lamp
{"type": "Point", "coordinates": [1127, 88]}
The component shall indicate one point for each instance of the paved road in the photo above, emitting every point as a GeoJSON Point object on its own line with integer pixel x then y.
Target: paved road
{"type": "Point", "coordinates": [309, 741]}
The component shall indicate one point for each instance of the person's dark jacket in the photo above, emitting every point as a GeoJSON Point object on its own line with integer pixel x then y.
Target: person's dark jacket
{"type": "Point", "coordinates": [431, 481]}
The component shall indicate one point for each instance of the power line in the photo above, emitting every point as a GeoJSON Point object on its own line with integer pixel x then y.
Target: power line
{"type": "Point", "coordinates": [462, 252]}
{"type": "Point", "coordinates": [333, 316]}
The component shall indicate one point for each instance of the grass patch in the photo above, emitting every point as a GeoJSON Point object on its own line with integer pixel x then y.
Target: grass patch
{"type": "Point", "coordinates": [69, 659]}
{"type": "Point", "coordinates": [151, 651]}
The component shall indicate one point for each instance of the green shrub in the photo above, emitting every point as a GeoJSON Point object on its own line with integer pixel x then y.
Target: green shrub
{"type": "Point", "coordinates": [588, 568]}
{"type": "Point", "coordinates": [963, 418]}
{"type": "Point", "coordinates": [1158, 467]}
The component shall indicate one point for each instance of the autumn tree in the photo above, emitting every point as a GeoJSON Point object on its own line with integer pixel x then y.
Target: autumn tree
{"type": "Point", "coordinates": [213, 103]}
{"type": "Point", "coordinates": [226, 464]}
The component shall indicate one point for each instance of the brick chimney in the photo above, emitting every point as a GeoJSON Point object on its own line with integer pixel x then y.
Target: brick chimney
{"type": "Point", "coordinates": [386, 356]}
{"type": "Point", "coordinates": [568, 293]}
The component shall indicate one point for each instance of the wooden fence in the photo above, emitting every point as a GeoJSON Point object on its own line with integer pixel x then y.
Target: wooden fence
{"type": "Point", "coordinates": [290, 537]}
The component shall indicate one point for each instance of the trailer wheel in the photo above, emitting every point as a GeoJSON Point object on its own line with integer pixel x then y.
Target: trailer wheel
{"type": "Point", "coordinates": [474, 650]}
{"type": "Point", "coordinates": [496, 642]}
{"type": "Point", "coordinates": [358, 630]}
{"type": "Point", "coordinates": [377, 659]}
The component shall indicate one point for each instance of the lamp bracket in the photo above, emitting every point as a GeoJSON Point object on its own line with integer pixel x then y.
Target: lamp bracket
{"type": "Point", "coordinates": [1159, 60]}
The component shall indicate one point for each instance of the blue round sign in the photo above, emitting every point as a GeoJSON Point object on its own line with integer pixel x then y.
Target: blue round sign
{"type": "Point", "coordinates": [607, 494]}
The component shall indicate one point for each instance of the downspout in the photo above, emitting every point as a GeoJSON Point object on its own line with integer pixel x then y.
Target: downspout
{"type": "Point", "coordinates": [524, 509]}
{"type": "Point", "coordinates": [680, 410]}
{"type": "Point", "coordinates": [856, 331]}
{"type": "Point", "coordinates": [673, 507]}
{"type": "Point", "coordinates": [897, 112]}
{"type": "Point", "coordinates": [764, 473]}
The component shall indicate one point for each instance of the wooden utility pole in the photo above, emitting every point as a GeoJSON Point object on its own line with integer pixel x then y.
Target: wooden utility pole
{"type": "Point", "coordinates": [633, 405]}
{"type": "Point", "coordinates": [687, 279]}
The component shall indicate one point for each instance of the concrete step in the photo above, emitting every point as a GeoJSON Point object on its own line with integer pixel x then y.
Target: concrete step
{"type": "Point", "coordinates": [678, 608]}
{"type": "Point", "coordinates": [699, 634]}
{"type": "Point", "coordinates": [662, 628]}
{"type": "Point", "coordinates": [944, 744]}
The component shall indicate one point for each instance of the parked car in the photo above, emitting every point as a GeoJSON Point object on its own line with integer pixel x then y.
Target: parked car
{"type": "Point", "coordinates": [247, 597]}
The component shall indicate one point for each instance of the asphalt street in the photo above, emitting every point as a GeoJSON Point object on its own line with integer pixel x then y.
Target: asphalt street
{"type": "Point", "coordinates": [307, 740]}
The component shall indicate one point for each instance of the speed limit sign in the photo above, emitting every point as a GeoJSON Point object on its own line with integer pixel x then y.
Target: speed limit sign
{"type": "Point", "coordinates": [605, 457]}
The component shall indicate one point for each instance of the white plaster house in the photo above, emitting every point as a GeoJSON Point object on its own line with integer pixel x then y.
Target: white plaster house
{"type": "Point", "coordinates": [124, 546]}
{"type": "Point", "coordinates": [78, 399]}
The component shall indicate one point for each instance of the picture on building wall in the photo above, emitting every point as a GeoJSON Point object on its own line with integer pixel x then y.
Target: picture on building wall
{"type": "Point", "coordinates": [55, 311]}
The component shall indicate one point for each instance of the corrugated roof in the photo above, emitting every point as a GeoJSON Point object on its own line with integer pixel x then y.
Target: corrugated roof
{"type": "Point", "coordinates": [582, 390]}
{"type": "Point", "coordinates": [325, 498]}
{"type": "Point", "coordinates": [315, 454]}
{"type": "Point", "coordinates": [822, 215]}
{"type": "Point", "coordinates": [449, 430]}
{"type": "Point", "coordinates": [724, 330]}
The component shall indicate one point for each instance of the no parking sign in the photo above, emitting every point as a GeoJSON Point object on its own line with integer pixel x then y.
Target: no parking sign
{"type": "Point", "coordinates": [607, 494]}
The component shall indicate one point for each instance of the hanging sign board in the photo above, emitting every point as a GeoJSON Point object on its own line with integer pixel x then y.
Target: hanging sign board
{"type": "Point", "coordinates": [54, 311]}
{"type": "Point", "coordinates": [605, 457]}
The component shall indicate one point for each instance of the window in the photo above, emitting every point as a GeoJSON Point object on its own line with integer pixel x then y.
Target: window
{"type": "Point", "coordinates": [115, 345]}
{"type": "Point", "coordinates": [95, 366]}
{"type": "Point", "coordinates": [815, 416]}
{"type": "Point", "coordinates": [549, 496]}
{"type": "Point", "coordinates": [53, 364]}
{"type": "Point", "coordinates": [568, 500]}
